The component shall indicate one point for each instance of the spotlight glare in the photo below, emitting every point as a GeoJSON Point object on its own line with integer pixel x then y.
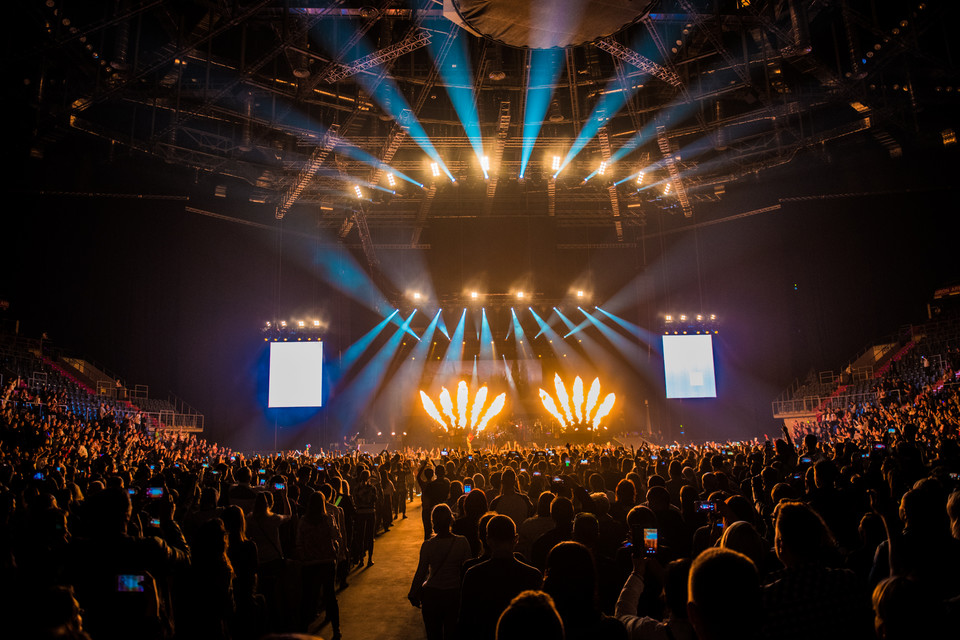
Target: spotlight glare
{"type": "Point", "coordinates": [666, 189]}
{"type": "Point", "coordinates": [640, 178]}
{"type": "Point", "coordinates": [555, 166]}
{"type": "Point", "coordinates": [283, 323]}
{"type": "Point", "coordinates": [300, 323]}
{"type": "Point", "coordinates": [316, 323]}
{"type": "Point", "coordinates": [602, 169]}
{"type": "Point", "coordinates": [579, 294]}
{"type": "Point", "coordinates": [356, 189]}
{"type": "Point", "coordinates": [485, 163]}
{"type": "Point", "coordinates": [473, 295]}
{"type": "Point", "coordinates": [435, 168]}
{"type": "Point", "coordinates": [520, 294]}
{"type": "Point", "coordinates": [391, 180]}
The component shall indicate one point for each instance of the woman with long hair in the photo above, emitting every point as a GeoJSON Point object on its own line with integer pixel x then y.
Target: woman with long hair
{"type": "Point", "coordinates": [318, 544]}
{"type": "Point", "coordinates": [436, 584]}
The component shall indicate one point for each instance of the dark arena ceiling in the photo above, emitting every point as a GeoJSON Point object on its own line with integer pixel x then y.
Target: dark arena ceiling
{"type": "Point", "coordinates": [292, 105]}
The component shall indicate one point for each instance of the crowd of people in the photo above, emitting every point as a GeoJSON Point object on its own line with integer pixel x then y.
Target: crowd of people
{"type": "Point", "coordinates": [112, 531]}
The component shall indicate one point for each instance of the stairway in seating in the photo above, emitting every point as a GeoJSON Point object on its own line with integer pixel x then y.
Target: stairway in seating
{"type": "Point", "coordinates": [68, 375]}
{"type": "Point", "coordinates": [879, 373]}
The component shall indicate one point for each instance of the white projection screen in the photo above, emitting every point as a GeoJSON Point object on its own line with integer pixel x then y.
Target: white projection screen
{"type": "Point", "coordinates": [688, 366]}
{"type": "Point", "coordinates": [296, 374]}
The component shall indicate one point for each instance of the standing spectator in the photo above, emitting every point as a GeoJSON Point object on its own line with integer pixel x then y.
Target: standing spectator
{"type": "Point", "coordinates": [366, 501]}
{"type": "Point", "coordinates": [318, 545]}
{"type": "Point", "coordinates": [517, 506]}
{"type": "Point", "coordinates": [489, 586]}
{"type": "Point", "coordinates": [436, 583]}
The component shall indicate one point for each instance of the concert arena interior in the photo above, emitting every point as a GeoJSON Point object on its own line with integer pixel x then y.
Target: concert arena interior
{"type": "Point", "coordinates": [480, 320]}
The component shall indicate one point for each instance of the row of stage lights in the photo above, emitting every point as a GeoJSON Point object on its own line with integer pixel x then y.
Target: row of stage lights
{"type": "Point", "coordinates": [555, 166]}
{"type": "Point", "coordinates": [682, 324]}
{"type": "Point", "coordinates": [475, 296]}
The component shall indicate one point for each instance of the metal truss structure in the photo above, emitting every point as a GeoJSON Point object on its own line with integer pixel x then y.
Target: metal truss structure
{"type": "Point", "coordinates": [255, 96]}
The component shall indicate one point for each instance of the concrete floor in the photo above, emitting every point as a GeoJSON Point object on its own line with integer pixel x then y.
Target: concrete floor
{"type": "Point", "coordinates": [375, 605]}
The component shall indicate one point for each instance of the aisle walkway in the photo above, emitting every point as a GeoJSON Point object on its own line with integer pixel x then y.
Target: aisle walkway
{"type": "Point", "coordinates": [375, 605]}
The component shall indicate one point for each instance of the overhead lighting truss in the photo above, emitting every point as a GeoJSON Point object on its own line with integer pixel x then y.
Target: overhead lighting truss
{"type": "Point", "coordinates": [306, 174]}
{"type": "Point", "coordinates": [503, 128]}
{"type": "Point", "coordinates": [646, 65]}
{"type": "Point", "coordinates": [412, 42]}
{"type": "Point", "coordinates": [675, 179]}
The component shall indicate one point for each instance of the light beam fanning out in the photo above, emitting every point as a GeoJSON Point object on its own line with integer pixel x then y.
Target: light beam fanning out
{"type": "Point", "coordinates": [462, 404]}
{"type": "Point", "coordinates": [604, 409]}
{"type": "Point", "coordinates": [468, 415]}
{"type": "Point", "coordinates": [578, 398]}
{"type": "Point", "coordinates": [594, 395]}
{"type": "Point", "coordinates": [562, 396]}
{"type": "Point", "coordinates": [447, 405]}
{"type": "Point", "coordinates": [585, 416]}
{"type": "Point", "coordinates": [432, 409]}
{"type": "Point", "coordinates": [495, 407]}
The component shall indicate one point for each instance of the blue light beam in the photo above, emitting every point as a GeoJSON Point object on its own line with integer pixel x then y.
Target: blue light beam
{"type": "Point", "coordinates": [545, 68]}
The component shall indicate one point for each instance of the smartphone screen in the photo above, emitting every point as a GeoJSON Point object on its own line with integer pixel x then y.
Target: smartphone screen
{"type": "Point", "coordinates": [649, 541]}
{"type": "Point", "coordinates": [467, 487]}
{"type": "Point", "coordinates": [155, 492]}
{"type": "Point", "coordinates": [129, 583]}
{"type": "Point", "coordinates": [154, 522]}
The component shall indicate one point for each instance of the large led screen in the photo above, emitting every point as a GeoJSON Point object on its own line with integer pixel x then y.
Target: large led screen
{"type": "Point", "coordinates": [688, 366]}
{"type": "Point", "coordinates": [296, 374]}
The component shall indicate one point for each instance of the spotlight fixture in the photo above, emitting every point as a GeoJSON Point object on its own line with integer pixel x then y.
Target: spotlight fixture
{"type": "Point", "coordinates": [669, 318]}
{"type": "Point", "coordinates": [485, 163]}
{"type": "Point", "coordinates": [391, 180]}
{"type": "Point", "coordinates": [301, 323]}
{"type": "Point", "coordinates": [640, 178]}
{"type": "Point", "coordinates": [666, 189]}
{"type": "Point", "coordinates": [699, 317]}
{"type": "Point", "coordinates": [435, 168]}
{"type": "Point", "coordinates": [356, 189]}
{"type": "Point", "coordinates": [520, 295]}
{"type": "Point", "coordinates": [555, 166]}
{"type": "Point", "coordinates": [316, 323]}
{"type": "Point", "coordinates": [283, 323]}
{"type": "Point", "coordinates": [473, 295]}
{"type": "Point", "coordinates": [579, 294]}
{"type": "Point", "coordinates": [416, 295]}
{"type": "Point", "coordinates": [683, 318]}
{"type": "Point", "coordinates": [268, 325]}
{"type": "Point", "coordinates": [602, 169]}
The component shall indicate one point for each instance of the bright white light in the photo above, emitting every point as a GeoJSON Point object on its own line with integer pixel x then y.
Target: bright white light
{"type": "Point", "coordinates": [579, 294]}
{"type": "Point", "coordinates": [356, 189]}
{"type": "Point", "coordinates": [283, 323]}
{"type": "Point", "coordinates": [485, 163]}
{"type": "Point", "coordinates": [296, 374]}
{"type": "Point", "coordinates": [666, 189]}
{"type": "Point", "coordinates": [713, 316]}
{"type": "Point", "coordinates": [556, 163]}
{"type": "Point", "coordinates": [640, 178]}
{"type": "Point", "coordinates": [462, 392]}
{"type": "Point", "coordinates": [300, 323]}
{"type": "Point", "coordinates": [602, 169]}
{"type": "Point", "coordinates": [391, 180]}
{"type": "Point", "coordinates": [316, 323]}
{"type": "Point", "coordinates": [435, 168]}
{"type": "Point", "coordinates": [416, 295]}
{"type": "Point", "coordinates": [683, 318]}
{"type": "Point", "coordinates": [520, 294]}
{"type": "Point", "coordinates": [473, 295]}
{"type": "Point", "coordinates": [669, 318]}
{"type": "Point", "coordinates": [699, 317]}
